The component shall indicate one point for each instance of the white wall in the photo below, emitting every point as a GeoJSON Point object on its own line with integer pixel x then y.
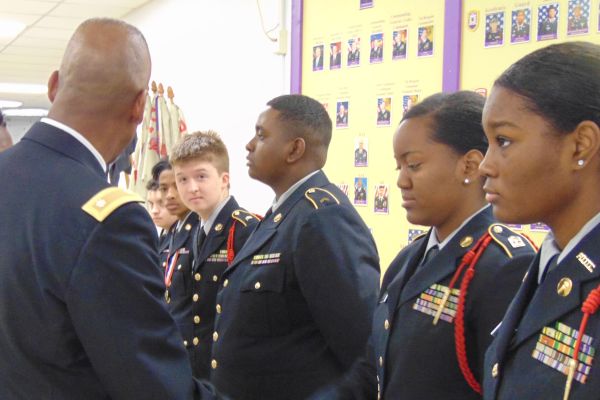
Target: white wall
{"type": "Point", "coordinates": [222, 69]}
{"type": "Point", "coordinates": [18, 126]}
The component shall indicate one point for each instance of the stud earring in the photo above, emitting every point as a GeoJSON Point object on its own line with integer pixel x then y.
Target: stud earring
{"type": "Point", "coordinates": [467, 181]}
{"type": "Point", "coordinates": [580, 163]}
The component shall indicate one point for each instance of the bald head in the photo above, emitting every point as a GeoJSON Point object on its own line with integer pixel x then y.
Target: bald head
{"type": "Point", "coordinates": [106, 62]}
{"type": "Point", "coordinates": [101, 84]}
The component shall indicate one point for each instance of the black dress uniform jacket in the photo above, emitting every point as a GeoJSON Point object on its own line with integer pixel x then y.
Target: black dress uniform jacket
{"type": "Point", "coordinates": [410, 358]}
{"type": "Point", "coordinates": [199, 286]}
{"type": "Point", "coordinates": [293, 308]}
{"type": "Point", "coordinates": [537, 336]}
{"type": "Point", "coordinates": [82, 314]}
{"type": "Point", "coordinates": [179, 251]}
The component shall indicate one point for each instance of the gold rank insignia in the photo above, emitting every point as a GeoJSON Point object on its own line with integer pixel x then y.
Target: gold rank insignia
{"type": "Point", "coordinates": [466, 241]}
{"type": "Point", "coordinates": [219, 227]}
{"type": "Point", "coordinates": [320, 197]}
{"type": "Point", "coordinates": [103, 203]}
{"type": "Point", "coordinates": [243, 216]}
{"type": "Point", "coordinates": [277, 218]}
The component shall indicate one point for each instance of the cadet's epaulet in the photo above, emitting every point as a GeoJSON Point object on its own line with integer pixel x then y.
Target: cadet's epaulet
{"type": "Point", "coordinates": [320, 197]}
{"type": "Point", "coordinates": [419, 236]}
{"type": "Point", "coordinates": [243, 216]}
{"type": "Point", "coordinates": [508, 239]}
{"type": "Point", "coordinates": [103, 203]}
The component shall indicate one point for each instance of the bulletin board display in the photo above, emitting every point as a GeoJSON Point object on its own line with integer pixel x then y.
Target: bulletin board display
{"type": "Point", "coordinates": [497, 33]}
{"type": "Point", "coordinates": [367, 62]}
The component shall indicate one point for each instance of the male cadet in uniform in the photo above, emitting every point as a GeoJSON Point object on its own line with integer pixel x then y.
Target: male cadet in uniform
{"type": "Point", "coordinates": [201, 166]}
{"type": "Point", "coordinates": [159, 214]}
{"type": "Point", "coordinates": [81, 308]}
{"type": "Point", "coordinates": [176, 255]}
{"type": "Point", "coordinates": [294, 307]}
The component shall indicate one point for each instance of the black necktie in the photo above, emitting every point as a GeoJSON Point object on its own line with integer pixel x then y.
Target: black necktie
{"type": "Point", "coordinates": [432, 252]}
{"type": "Point", "coordinates": [200, 239]}
{"type": "Point", "coordinates": [551, 265]}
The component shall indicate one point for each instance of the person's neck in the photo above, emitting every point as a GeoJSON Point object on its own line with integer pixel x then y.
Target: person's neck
{"type": "Point", "coordinates": [94, 130]}
{"type": "Point", "coordinates": [470, 206]}
{"type": "Point", "coordinates": [206, 214]}
{"type": "Point", "coordinates": [566, 222]}
{"type": "Point", "coordinates": [289, 180]}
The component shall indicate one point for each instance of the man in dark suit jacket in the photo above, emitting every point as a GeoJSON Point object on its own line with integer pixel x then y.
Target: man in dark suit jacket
{"type": "Point", "coordinates": [81, 305]}
{"type": "Point", "coordinates": [294, 307]}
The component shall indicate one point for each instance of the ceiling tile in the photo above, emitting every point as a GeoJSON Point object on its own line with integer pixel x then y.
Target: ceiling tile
{"type": "Point", "coordinates": [27, 7]}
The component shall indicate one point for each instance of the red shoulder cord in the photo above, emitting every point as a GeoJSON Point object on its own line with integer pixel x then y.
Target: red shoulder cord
{"type": "Point", "coordinates": [230, 243]}
{"type": "Point", "coordinates": [231, 240]}
{"type": "Point", "coordinates": [589, 307]}
{"type": "Point", "coordinates": [469, 259]}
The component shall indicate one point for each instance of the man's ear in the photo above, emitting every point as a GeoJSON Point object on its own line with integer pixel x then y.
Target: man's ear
{"type": "Point", "coordinates": [137, 111]}
{"type": "Point", "coordinates": [52, 86]}
{"type": "Point", "coordinates": [297, 148]}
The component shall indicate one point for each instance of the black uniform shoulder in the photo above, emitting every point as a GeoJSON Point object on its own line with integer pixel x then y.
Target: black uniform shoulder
{"type": "Point", "coordinates": [101, 205]}
{"type": "Point", "coordinates": [511, 243]}
{"type": "Point", "coordinates": [246, 218]}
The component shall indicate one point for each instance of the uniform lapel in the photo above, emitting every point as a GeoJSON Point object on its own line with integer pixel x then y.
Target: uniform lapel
{"type": "Point", "coordinates": [447, 260]}
{"type": "Point", "coordinates": [218, 233]}
{"type": "Point", "coordinates": [185, 232]}
{"type": "Point", "coordinates": [538, 313]}
{"type": "Point", "coordinates": [408, 263]}
{"type": "Point", "coordinates": [515, 311]}
{"type": "Point", "coordinates": [268, 226]}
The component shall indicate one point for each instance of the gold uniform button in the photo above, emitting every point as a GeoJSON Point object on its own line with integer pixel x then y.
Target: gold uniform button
{"type": "Point", "coordinates": [257, 285]}
{"type": "Point", "coordinates": [214, 364]}
{"type": "Point", "coordinates": [196, 341]}
{"type": "Point", "coordinates": [380, 361]}
{"type": "Point", "coordinates": [219, 309]}
{"type": "Point", "coordinates": [197, 277]}
{"type": "Point", "coordinates": [386, 324]}
{"type": "Point", "coordinates": [185, 343]}
{"type": "Point", "coordinates": [564, 287]}
{"type": "Point", "coordinates": [215, 336]}
{"type": "Point", "coordinates": [195, 297]}
{"type": "Point", "coordinates": [196, 319]}
{"type": "Point", "coordinates": [225, 282]}
{"type": "Point", "coordinates": [215, 278]}
{"type": "Point", "coordinates": [495, 371]}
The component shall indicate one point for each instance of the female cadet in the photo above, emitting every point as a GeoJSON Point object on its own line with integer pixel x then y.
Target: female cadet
{"type": "Point", "coordinates": [543, 164]}
{"type": "Point", "coordinates": [447, 290]}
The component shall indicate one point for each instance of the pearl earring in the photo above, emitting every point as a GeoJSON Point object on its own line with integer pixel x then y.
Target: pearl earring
{"type": "Point", "coordinates": [580, 163]}
{"type": "Point", "coordinates": [467, 181]}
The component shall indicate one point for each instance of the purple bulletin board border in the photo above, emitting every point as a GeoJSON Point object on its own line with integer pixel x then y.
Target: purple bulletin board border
{"type": "Point", "coordinates": [452, 37]}
{"type": "Point", "coordinates": [452, 46]}
{"type": "Point", "coordinates": [296, 56]}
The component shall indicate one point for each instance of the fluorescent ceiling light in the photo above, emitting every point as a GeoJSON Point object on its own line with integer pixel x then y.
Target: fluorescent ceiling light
{"type": "Point", "coordinates": [10, 28]}
{"type": "Point", "coordinates": [10, 104]}
{"type": "Point", "coordinates": [26, 112]}
{"type": "Point", "coordinates": [23, 88]}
